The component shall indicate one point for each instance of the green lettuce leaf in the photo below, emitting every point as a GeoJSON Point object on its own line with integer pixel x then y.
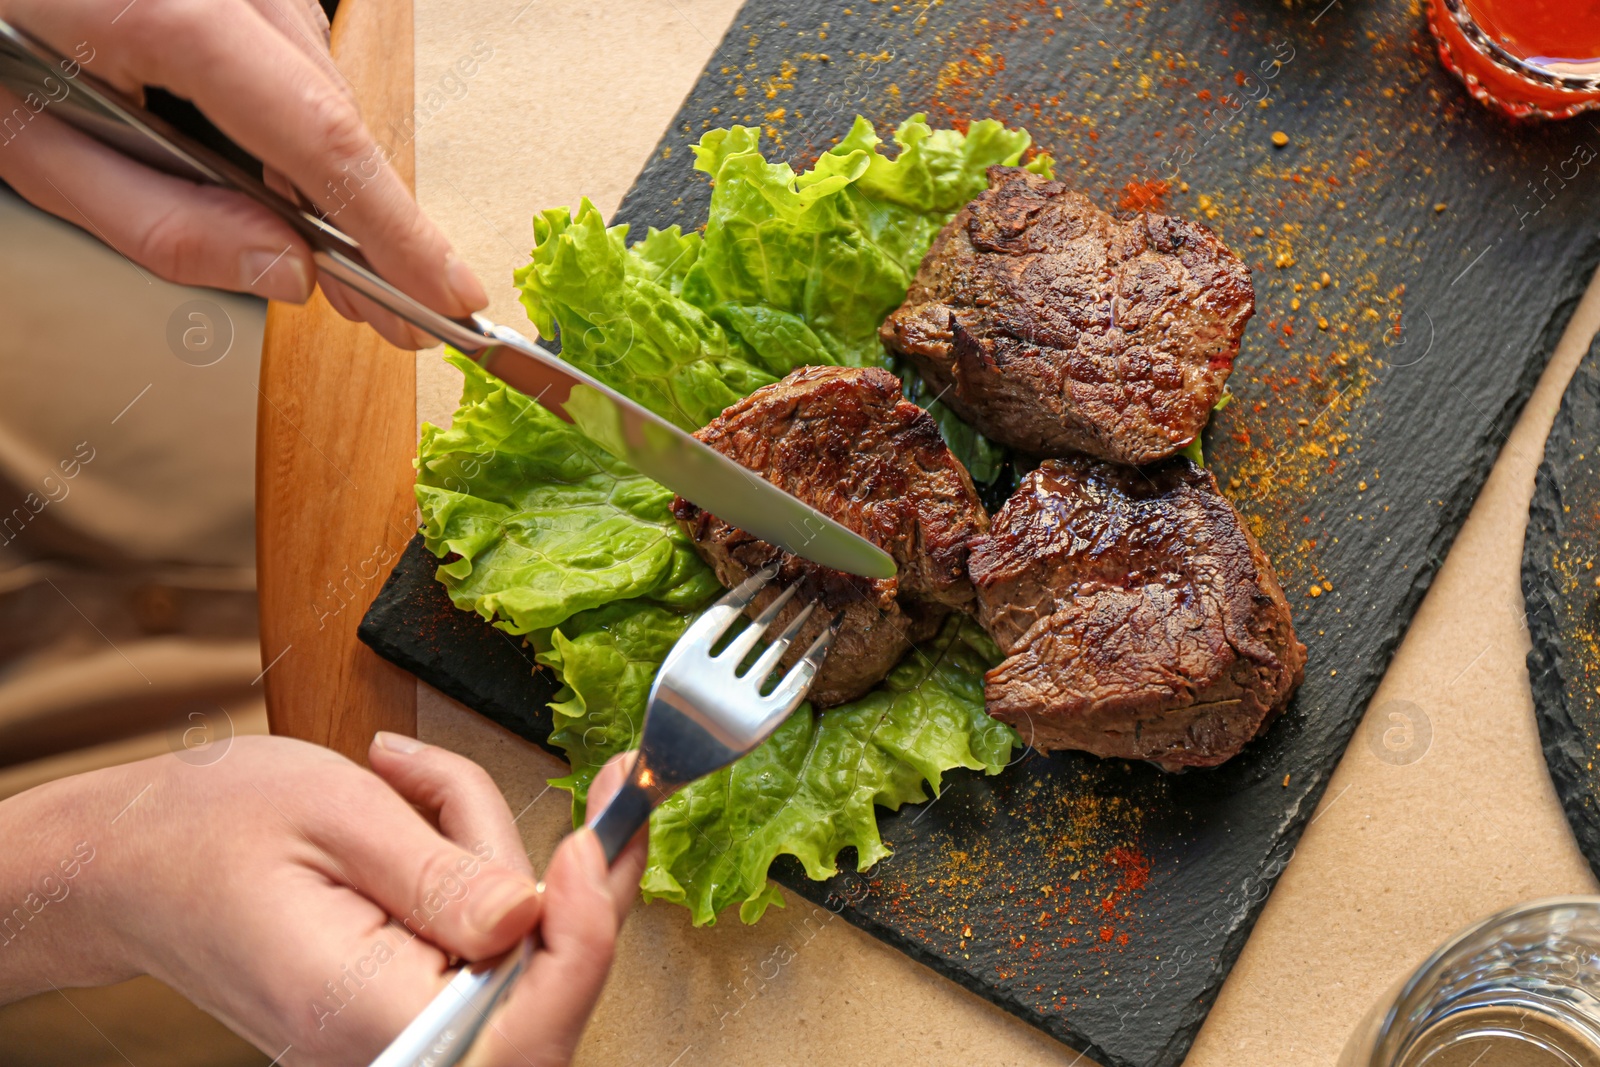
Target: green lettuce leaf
{"type": "Point", "coordinates": [836, 246]}
{"type": "Point", "coordinates": [545, 522]}
{"type": "Point", "coordinates": [1194, 451]}
{"type": "Point", "coordinates": [607, 660]}
{"type": "Point", "coordinates": [619, 317]}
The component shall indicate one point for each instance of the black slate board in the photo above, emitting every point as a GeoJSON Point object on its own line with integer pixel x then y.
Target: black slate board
{"type": "Point", "coordinates": [1105, 902]}
{"type": "Point", "coordinates": [413, 624]}
{"type": "Point", "coordinates": [1559, 581]}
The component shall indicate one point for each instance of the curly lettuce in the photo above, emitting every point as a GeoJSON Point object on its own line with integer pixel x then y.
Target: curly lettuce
{"type": "Point", "coordinates": [549, 536]}
{"type": "Point", "coordinates": [543, 522]}
{"type": "Point", "coordinates": [808, 792]}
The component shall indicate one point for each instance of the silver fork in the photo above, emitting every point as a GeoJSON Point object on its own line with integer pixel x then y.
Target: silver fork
{"type": "Point", "coordinates": [703, 714]}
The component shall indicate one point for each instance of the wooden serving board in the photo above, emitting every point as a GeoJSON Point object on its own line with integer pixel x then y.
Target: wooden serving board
{"type": "Point", "coordinates": [1415, 259]}
{"type": "Point", "coordinates": [1562, 588]}
{"type": "Point", "coordinates": [337, 421]}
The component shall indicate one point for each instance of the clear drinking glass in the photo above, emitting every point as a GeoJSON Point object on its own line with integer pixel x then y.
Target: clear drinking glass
{"type": "Point", "coordinates": [1519, 989]}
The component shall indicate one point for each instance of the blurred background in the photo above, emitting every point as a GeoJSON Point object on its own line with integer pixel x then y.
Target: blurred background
{"type": "Point", "coordinates": [127, 565]}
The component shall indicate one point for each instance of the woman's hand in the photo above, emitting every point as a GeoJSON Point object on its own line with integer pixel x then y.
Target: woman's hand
{"type": "Point", "coordinates": [311, 905]}
{"type": "Point", "coordinates": [259, 69]}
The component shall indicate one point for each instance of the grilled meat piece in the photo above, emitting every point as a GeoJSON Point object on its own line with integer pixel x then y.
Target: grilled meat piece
{"type": "Point", "coordinates": [1054, 328]}
{"type": "Point", "coordinates": [1139, 616]}
{"type": "Point", "coordinates": [846, 442]}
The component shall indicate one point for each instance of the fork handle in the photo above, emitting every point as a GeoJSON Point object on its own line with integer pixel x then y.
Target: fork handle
{"type": "Point", "coordinates": [445, 1030]}
{"type": "Point", "coordinates": [628, 810]}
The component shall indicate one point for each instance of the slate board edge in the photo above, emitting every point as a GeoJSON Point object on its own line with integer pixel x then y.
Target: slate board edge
{"type": "Point", "coordinates": [1560, 737]}
{"type": "Point", "coordinates": [384, 629]}
{"type": "Point", "coordinates": [814, 892]}
{"type": "Point", "coordinates": [374, 635]}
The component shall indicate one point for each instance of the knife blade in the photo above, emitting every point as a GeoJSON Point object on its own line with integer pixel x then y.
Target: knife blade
{"type": "Point", "coordinates": [658, 449]}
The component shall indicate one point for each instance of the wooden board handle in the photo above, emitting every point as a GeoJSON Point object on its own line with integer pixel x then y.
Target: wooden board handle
{"type": "Point", "coordinates": [335, 436]}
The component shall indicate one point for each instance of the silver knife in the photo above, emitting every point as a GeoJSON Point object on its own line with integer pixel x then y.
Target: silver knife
{"type": "Point", "coordinates": [626, 429]}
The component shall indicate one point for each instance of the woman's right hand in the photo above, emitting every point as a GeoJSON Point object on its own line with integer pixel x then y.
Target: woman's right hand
{"type": "Point", "coordinates": [259, 70]}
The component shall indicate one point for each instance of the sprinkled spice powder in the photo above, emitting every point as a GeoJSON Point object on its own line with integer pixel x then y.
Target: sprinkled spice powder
{"type": "Point", "coordinates": [987, 900]}
{"type": "Point", "coordinates": [1148, 195]}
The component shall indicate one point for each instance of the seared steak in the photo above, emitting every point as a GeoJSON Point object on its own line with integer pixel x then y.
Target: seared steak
{"type": "Point", "coordinates": [1139, 617]}
{"type": "Point", "coordinates": [847, 443]}
{"type": "Point", "coordinates": [1054, 328]}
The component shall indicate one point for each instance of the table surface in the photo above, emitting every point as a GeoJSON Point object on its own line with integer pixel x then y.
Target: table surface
{"type": "Point", "coordinates": [569, 103]}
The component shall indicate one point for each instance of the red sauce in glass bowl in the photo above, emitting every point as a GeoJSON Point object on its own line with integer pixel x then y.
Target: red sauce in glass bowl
{"type": "Point", "coordinates": [1529, 58]}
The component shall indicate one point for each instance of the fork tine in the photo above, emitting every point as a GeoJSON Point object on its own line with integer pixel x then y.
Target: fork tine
{"type": "Point", "coordinates": [792, 690]}
{"type": "Point", "coordinates": [708, 629]}
{"type": "Point", "coordinates": [780, 644]}
{"type": "Point", "coordinates": [740, 646]}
